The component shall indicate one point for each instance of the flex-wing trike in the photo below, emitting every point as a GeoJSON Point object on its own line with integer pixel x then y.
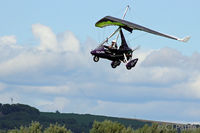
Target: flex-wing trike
{"type": "Point", "coordinates": [123, 53]}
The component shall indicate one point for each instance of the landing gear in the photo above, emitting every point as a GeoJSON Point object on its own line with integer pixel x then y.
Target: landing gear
{"type": "Point", "coordinates": [114, 64]}
{"type": "Point", "coordinates": [95, 58]}
{"type": "Point", "coordinates": [128, 67]}
{"type": "Point", "coordinates": [131, 64]}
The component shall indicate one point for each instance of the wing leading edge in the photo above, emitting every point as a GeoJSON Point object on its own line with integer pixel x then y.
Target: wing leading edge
{"type": "Point", "coordinates": [129, 26]}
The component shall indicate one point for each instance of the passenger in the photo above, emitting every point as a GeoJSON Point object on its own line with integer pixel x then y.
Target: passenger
{"type": "Point", "coordinates": [113, 45]}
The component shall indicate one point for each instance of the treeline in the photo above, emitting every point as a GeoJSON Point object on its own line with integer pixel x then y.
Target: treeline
{"type": "Point", "coordinates": [115, 127]}
{"type": "Point", "coordinates": [15, 115]}
{"type": "Point", "coordinates": [102, 127]}
{"type": "Point", "coordinates": [36, 127]}
{"type": "Point", "coordinates": [19, 117]}
{"type": "Point", "coordinates": [6, 109]}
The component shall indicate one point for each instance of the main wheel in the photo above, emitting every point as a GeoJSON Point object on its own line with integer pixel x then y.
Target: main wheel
{"type": "Point", "coordinates": [113, 64]}
{"type": "Point", "coordinates": [95, 58]}
{"type": "Point", "coordinates": [118, 63]}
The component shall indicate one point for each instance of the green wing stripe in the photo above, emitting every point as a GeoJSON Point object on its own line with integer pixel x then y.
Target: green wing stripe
{"type": "Point", "coordinates": [108, 23]}
{"type": "Point", "coordinates": [111, 21]}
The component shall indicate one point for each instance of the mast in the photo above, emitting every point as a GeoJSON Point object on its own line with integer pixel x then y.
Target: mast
{"type": "Point", "coordinates": [123, 18]}
{"type": "Point", "coordinates": [125, 12]}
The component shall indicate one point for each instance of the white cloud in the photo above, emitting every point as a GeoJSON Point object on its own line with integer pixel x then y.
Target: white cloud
{"type": "Point", "coordinates": [68, 42]}
{"type": "Point", "coordinates": [7, 40]}
{"type": "Point", "coordinates": [64, 89]}
{"type": "Point", "coordinates": [61, 73]}
{"type": "Point", "coordinates": [196, 86]}
{"type": "Point", "coordinates": [49, 56]}
{"type": "Point", "coordinates": [165, 57]}
{"type": "Point", "coordinates": [26, 62]}
{"type": "Point", "coordinates": [168, 57]}
{"type": "Point", "coordinates": [47, 38]}
{"type": "Point", "coordinates": [49, 41]}
{"type": "Point", "coordinates": [191, 88]}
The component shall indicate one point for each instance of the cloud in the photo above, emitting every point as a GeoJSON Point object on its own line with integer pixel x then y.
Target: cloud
{"type": "Point", "coordinates": [165, 57]}
{"type": "Point", "coordinates": [54, 54]}
{"type": "Point", "coordinates": [8, 40]}
{"type": "Point", "coordinates": [47, 38]}
{"type": "Point", "coordinates": [59, 74]}
{"type": "Point", "coordinates": [64, 89]}
{"type": "Point", "coordinates": [49, 41]}
{"type": "Point", "coordinates": [168, 57]}
{"type": "Point", "coordinates": [192, 87]}
{"type": "Point", "coordinates": [69, 42]}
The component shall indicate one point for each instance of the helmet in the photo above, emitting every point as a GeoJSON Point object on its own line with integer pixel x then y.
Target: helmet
{"type": "Point", "coordinates": [114, 41]}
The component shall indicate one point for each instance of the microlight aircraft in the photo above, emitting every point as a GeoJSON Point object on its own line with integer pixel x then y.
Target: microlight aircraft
{"type": "Point", "coordinates": [124, 52]}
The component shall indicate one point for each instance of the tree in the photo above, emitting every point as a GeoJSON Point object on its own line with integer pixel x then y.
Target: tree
{"type": "Point", "coordinates": [57, 112]}
{"type": "Point", "coordinates": [128, 130]}
{"type": "Point", "coordinates": [7, 109]}
{"type": "Point", "coordinates": [107, 127]}
{"type": "Point", "coordinates": [155, 128]}
{"type": "Point", "coordinates": [56, 129]}
{"type": "Point", "coordinates": [34, 127]}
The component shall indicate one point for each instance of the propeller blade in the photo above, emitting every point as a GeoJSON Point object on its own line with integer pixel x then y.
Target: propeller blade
{"type": "Point", "coordinates": [138, 47]}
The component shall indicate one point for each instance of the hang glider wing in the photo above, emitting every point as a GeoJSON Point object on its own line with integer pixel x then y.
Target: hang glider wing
{"type": "Point", "coordinates": [112, 21]}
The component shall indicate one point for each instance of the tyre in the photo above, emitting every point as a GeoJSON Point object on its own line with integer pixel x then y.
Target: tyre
{"type": "Point", "coordinates": [128, 67]}
{"type": "Point", "coordinates": [118, 63]}
{"type": "Point", "coordinates": [113, 64]}
{"type": "Point", "coordinates": [95, 58]}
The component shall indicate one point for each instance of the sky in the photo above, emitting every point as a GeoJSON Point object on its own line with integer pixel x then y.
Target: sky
{"type": "Point", "coordinates": [46, 63]}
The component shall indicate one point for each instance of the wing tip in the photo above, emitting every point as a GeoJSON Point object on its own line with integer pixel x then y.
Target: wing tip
{"type": "Point", "coordinates": [185, 39]}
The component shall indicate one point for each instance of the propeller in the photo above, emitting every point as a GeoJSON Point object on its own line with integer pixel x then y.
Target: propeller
{"type": "Point", "coordinates": [138, 47]}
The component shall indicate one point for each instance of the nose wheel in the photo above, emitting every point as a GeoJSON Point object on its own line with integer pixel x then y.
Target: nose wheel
{"type": "Point", "coordinates": [131, 64]}
{"type": "Point", "coordinates": [95, 58]}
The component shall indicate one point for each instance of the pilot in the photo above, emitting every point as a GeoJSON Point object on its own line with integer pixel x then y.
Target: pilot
{"type": "Point", "coordinates": [113, 44]}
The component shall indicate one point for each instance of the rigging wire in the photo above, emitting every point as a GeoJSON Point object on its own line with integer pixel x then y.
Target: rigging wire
{"type": "Point", "coordinates": [138, 36]}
